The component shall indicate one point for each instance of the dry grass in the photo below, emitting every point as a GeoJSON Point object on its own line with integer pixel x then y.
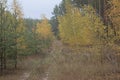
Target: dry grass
{"type": "Point", "coordinates": [29, 68]}
{"type": "Point", "coordinates": [83, 64]}
{"type": "Point", "coordinates": [67, 63]}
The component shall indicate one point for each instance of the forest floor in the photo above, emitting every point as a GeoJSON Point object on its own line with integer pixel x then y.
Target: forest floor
{"type": "Point", "coordinates": [29, 68]}
{"type": "Point", "coordinates": [34, 67]}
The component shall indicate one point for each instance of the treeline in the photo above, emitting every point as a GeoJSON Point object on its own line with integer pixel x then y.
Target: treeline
{"type": "Point", "coordinates": [101, 15]}
{"type": "Point", "coordinates": [19, 36]}
{"type": "Point", "coordinates": [11, 30]}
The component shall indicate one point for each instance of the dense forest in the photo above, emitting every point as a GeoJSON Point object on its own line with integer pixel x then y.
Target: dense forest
{"type": "Point", "coordinates": [81, 41]}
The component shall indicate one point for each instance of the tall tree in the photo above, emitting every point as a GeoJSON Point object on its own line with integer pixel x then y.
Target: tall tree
{"type": "Point", "coordinates": [59, 10]}
{"type": "Point", "coordinates": [3, 7]}
{"type": "Point", "coordinates": [18, 26]}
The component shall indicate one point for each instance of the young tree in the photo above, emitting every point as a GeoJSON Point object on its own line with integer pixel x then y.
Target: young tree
{"type": "Point", "coordinates": [44, 33]}
{"type": "Point", "coordinates": [59, 10]}
{"type": "Point", "coordinates": [31, 36]}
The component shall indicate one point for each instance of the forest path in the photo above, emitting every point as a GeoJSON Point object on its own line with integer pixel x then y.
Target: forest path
{"type": "Point", "coordinates": [29, 68]}
{"type": "Point", "coordinates": [39, 69]}
{"type": "Point", "coordinates": [34, 67]}
{"type": "Point", "coordinates": [36, 70]}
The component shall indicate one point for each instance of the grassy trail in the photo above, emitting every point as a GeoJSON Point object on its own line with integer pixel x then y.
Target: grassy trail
{"type": "Point", "coordinates": [61, 63]}
{"type": "Point", "coordinates": [29, 68]}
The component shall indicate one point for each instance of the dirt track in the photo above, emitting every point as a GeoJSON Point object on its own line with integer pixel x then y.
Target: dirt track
{"type": "Point", "coordinates": [30, 68]}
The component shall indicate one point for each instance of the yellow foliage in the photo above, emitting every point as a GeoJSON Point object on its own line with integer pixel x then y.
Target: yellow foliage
{"type": "Point", "coordinates": [44, 29]}
{"type": "Point", "coordinates": [114, 14]}
{"type": "Point", "coordinates": [79, 27]}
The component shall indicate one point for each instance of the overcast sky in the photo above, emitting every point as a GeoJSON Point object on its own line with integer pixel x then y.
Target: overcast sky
{"type": "Point", "coordinates": [36, 8]}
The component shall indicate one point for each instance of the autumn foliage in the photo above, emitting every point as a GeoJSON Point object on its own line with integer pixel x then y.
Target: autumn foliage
{"type": "Point", "coordinates": [44, 29]}
{"type": "Point", "coordinates": [80, 27]}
